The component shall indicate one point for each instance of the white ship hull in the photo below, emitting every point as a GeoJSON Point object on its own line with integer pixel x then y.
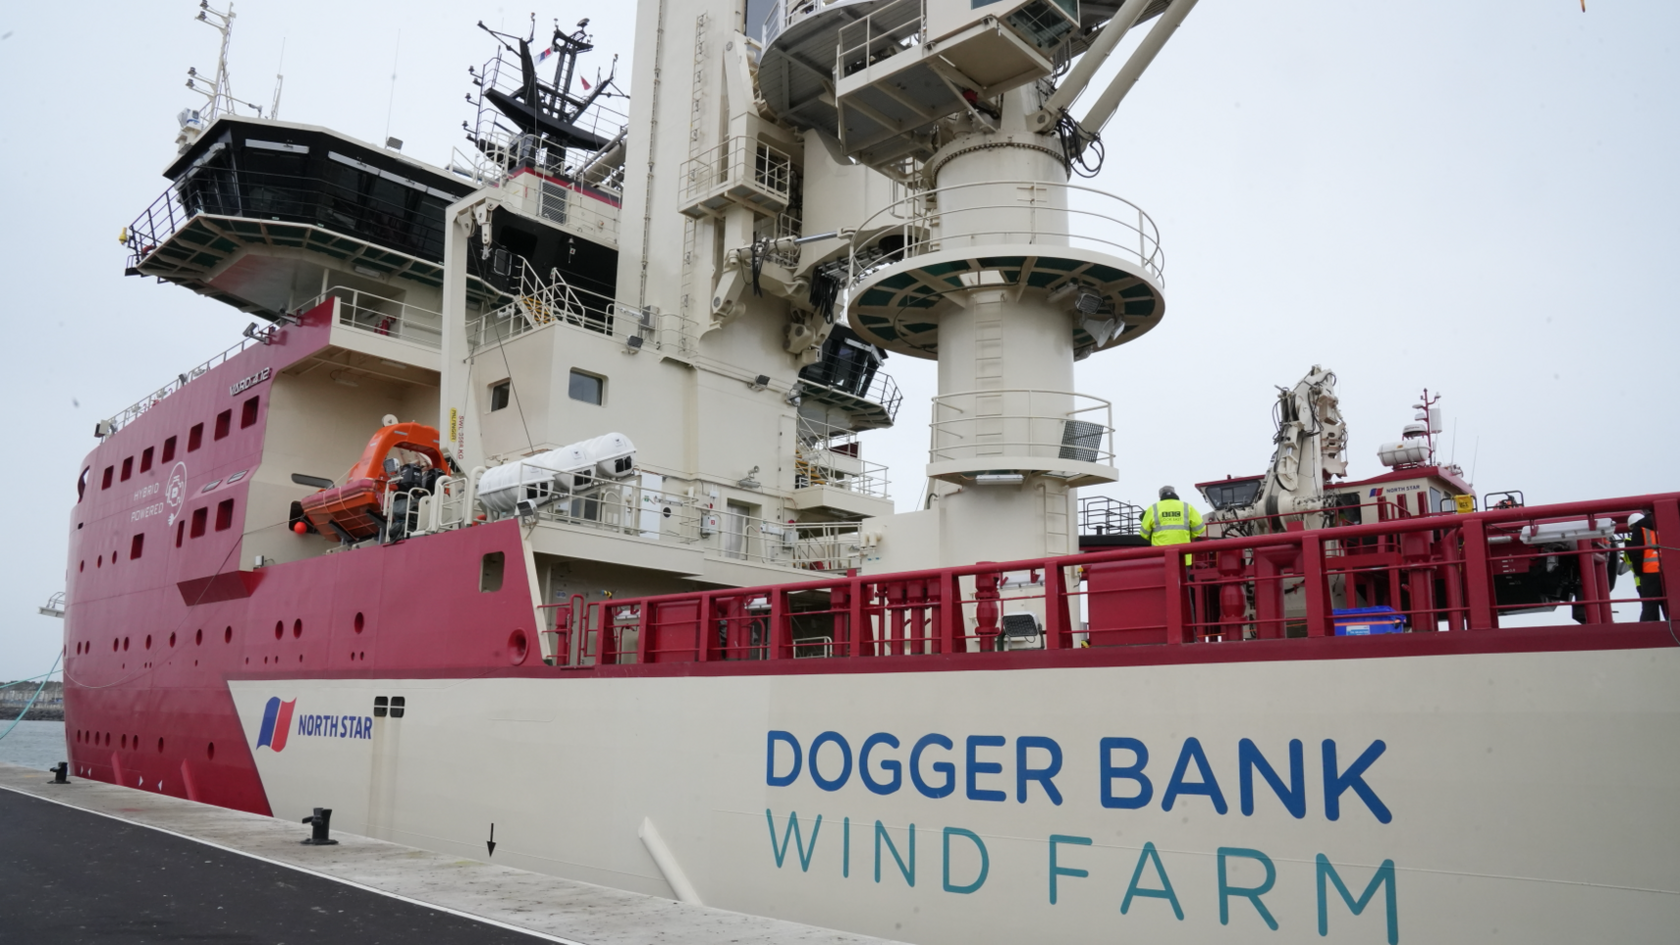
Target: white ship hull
{"type": "Point", "coordinates": [1524, 796]}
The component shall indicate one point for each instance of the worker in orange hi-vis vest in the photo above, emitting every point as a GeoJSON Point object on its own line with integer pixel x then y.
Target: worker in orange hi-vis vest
{"type": "Point", "coordinates": [1644, 556]}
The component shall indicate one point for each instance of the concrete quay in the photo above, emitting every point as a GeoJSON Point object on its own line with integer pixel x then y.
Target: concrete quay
{"type": "Point", "coordinates": [93, 862]}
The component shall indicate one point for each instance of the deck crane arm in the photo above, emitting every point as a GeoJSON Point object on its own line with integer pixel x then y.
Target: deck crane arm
{"type": "Point", "coordinates": [1311, 446]}
{"type": "Point", "coordinates": [1129, 14]}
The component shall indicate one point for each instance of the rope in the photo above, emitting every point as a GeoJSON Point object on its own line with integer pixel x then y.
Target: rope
{"type": "Point", "coordinates": [31, 703]}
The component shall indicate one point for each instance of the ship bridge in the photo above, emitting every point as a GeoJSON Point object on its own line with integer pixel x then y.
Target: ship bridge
{"type": "Point", "coordinates": [260, 214]}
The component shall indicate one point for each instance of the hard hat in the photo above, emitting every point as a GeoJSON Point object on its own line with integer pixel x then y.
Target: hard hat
{"type": "Point", "coordinates": [1166, 491]}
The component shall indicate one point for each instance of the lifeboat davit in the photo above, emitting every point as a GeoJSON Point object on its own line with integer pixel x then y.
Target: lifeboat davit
{"type": "Point", "coordinates": [354, 511]}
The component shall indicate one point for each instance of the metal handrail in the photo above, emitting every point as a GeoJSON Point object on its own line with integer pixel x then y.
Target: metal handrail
{"type": "Point", "coordinates": [818, 461]}
{"type": "Point", "coordinates": [923, 221]}
{"type": "Point", "coordinates": [737, 159]}
{"type": "Point", "coordinates": [884, 33]}
{"type": "Point", "coordinates": [1021, 429]}
{"type": "Point", "coordinates": [313, 201]}
{"type": "Point", "coordinates": [383, 316]}
{"type": "Point", "coordinates": [137, 409]}
{"type": "Point", "coordinates": [540, 302]}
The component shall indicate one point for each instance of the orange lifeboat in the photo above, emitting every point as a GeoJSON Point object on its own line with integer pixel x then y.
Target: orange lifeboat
{"type": "Point", "coordinates": [354, 510]}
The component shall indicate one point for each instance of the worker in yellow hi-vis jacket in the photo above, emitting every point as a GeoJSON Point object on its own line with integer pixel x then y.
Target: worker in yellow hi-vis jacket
{"type": "Point", "coordinates": [1171, 521]}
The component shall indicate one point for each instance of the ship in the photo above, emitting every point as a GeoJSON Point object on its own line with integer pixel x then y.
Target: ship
{"type": "Point", "coordinates": [533, 502]}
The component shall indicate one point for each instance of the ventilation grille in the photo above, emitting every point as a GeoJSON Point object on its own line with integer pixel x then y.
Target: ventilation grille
{"type": "Point", "coordinates": [553, 202]}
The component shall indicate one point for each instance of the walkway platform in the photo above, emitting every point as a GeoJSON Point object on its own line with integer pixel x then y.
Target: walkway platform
{"type": "Point", "coordinates": [92, 862]}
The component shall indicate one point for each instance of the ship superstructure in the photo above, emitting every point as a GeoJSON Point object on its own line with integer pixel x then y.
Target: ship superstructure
{"type": "Point", "coordinates": [535, 493]}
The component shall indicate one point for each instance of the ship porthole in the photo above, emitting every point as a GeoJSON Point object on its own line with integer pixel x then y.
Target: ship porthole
{"type": "Point", "coordinates": [297, 629]}
{"type": "Point", "coordinates": [160, 746]}
{"type": "Point", "coordinates": [359, 622]}
{"type": "Point", "coordinates": [172, 641]}
{"type": "Point", "coordinates": [148, 641]}
{"type": "Point", "coordinates": [198, 638]}
{"type": "Point", "coordinates": [227, 635]}
{"type": "Point", "coordinates": [279, 629]}
{"type": "Point", "coordinates": [125, 644]}
{"type": "Point", "coordinates": [210, 751]}
{"type": "Point", "coordinates": [517, 647]}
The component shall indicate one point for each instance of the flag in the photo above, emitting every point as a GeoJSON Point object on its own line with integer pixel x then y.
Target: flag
{"type": "Point", "coordinates": [586, 81]}
{"type": "Point", "coordinates": [542, 57]}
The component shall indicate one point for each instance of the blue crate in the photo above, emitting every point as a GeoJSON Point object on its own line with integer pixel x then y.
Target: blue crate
{"type": "Point", "coordinates": [1365, 621]}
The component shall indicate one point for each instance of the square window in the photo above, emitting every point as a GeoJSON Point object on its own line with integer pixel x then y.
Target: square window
{"type": "Point", "coordinates": [200, 519]}
{"type": "Point", "coordinates": [168, 450]}
{"type": "Point", "coordinates": [380, 703]}
{"type": "Point", "coordinates": [195, 437]}
{"type": "Point", "coordinates": [105, 483]}
{"type": "Point", "coordinates": [224, 515]}
{"type": "Point", "coordinates": [146, 459]}
{"type": "Point", "coordinates": [248, 413]}
{"type": "Point", "coordinates": [224, 423]}
{"type": "Point", "coordinates": [128, 469]}
{"type": "Point", "coordinates": [397, 706]}
{"type": "Point", "coordinates": [180, 531]}
{"type": "Point", "coordinates": [499, 394]}
{"type": "Point", "coordinates": [586, 387]}
{"type": "Point", "coordinates": [136, 546]}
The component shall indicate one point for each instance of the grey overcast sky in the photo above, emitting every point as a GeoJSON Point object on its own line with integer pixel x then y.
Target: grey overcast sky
{"type": "Point", "coordinates": [1476, 196]}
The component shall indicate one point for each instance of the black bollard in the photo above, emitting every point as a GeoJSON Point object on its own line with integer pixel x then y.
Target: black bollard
{"type": "Point", "coordinates": [320, 821]}
{"type": "Point", "coordinates": [61, 773]}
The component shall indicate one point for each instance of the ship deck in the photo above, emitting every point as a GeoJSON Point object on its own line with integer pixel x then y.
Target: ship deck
{"type": "Point", "coordinates": [90, 862]}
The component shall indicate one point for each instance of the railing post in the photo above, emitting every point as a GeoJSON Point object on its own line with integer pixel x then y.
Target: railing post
{"type": "Point", "coordinates": [1057, 623]}
{"type": "Point", "coordinates": [856, 616]}
{"type": "Point", "coordinates": [645, 631]}
{"type": "Point", "coordinates": [1478, 577]}
{"type": "Point", "coordinates": [781, 632]}
{"type": "Point", "coordinates": [1173, 599]}
{"type": "Point", "coordinates": [1316, 582]}
{"type": "Point", "coordinates": [951, 618]}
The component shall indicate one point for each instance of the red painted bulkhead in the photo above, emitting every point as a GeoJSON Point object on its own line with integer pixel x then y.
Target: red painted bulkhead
{"type": "Point", "coordinates": [159, 616]}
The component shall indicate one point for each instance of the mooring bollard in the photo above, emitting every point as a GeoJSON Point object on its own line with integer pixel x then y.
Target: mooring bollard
{"type": "Point", "coordinates": [61, 773]}
{"type": "Point", "coordinates": [321, 819]}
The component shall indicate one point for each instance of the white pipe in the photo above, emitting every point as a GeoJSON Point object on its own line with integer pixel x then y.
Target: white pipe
{"type": "Point", "coordinates": [674, 875]}
{"type": "Point", "coordinates": [1087, 66]}
{"type": "Point", "coordinates": [1141, 57]}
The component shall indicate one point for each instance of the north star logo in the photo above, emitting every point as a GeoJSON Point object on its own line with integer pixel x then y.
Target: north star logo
{"type": "Point", "coordinates": [276, 723]}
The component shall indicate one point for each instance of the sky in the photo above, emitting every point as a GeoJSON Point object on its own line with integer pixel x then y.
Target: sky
{"type": "Point", "coordinates": [1477, 198]}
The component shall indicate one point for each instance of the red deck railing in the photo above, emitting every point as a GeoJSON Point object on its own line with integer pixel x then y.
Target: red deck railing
{"type": "Point", "coordinates": [1441, 572]}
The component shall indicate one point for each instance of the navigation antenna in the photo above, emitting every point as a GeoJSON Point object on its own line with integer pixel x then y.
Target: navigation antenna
{"type": "Point", "coordinates": [218, 93]}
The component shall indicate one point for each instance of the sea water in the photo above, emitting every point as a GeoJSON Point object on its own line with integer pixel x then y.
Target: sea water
{"type": "Point", "coordinates": [33, 744]}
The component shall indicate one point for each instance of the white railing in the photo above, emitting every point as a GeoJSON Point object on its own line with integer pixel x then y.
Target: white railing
{"type": "Point", "coordinates": [1042, 427]}
{"type": "Point", "coordinates": [733, 161]}
{"type": "Point", "coordinates": [670, 517]}
{"type": "Point", "coordinates": [378, 315]}
{"type": "Point", "coordinates": [830, 456]}
{"type": "Point", "coordinates": [884, 33]}
{"type": "Point", "coordinates": [540, 302]}
{"type": "Point", "coordinates": [989, 213]}
{"type": "Point", "coordinates": [137, 409]}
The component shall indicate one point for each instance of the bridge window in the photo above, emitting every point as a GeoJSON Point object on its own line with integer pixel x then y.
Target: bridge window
{"type": "Point", "coordinates": [146, 459]}
{"type": "Point", "coordinates": [168, 450]}
{"type": "Point", "coordinates": [105, 483]}
{"type": "Point", "coordinates": [128, 469]}
{"type": "Point", "coordinates": [224, 423]}
{"type": "Point", "coordinates": [200, 519]}
{"type": "Point", "coordinates": [224, 515]}
{"type": "Point", "coordinates": [195, 437]}
{"type": "Point", "coordinates": [499, 394]}
{"type": "Point", "coordinates": [136, 546]}
{"type": "Point", "coordinates": [248, 413]}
